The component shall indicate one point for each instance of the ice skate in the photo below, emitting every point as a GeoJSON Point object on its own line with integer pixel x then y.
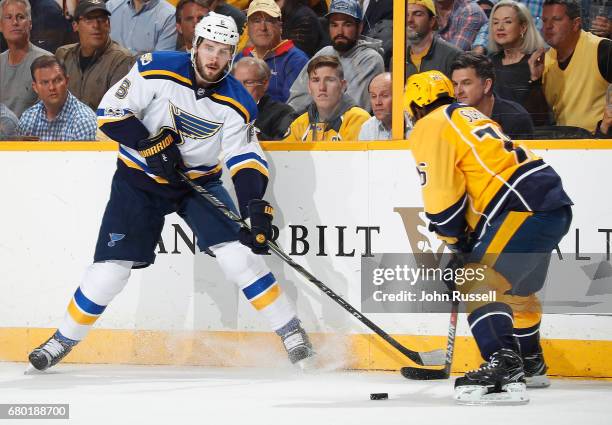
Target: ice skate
{"type": "Point", "coordinates": [299, 348]}
{"type": "Point", "coordinates": [500, 381]}
{"type": "Point", "coordinates": [49, 353]}
{"type": "Point", "coordinates": [535, 371]}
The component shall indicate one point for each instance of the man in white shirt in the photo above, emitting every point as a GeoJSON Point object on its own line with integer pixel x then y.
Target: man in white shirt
{"type": "Point", "coordinates": [379, 126]}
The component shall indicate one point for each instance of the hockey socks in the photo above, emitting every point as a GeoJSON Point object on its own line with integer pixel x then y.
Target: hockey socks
{"type": "Point", "coordinates": [493, 329]}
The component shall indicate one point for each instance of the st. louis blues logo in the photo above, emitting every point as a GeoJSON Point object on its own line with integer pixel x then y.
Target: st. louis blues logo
{"type": "Point", "coordinates": [193, 127]}
{"type": "Point", "coordinates": [115, 237]}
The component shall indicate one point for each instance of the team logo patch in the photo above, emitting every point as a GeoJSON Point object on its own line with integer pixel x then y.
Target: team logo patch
{"type": "Point", "coordinates": [191, 126]}
{"type": "Point", "coordinates": [146, 59]}
{"type": "Point", "coordinates": [114, 238]}
{"type": "Point", "coordinates": [122, 91]}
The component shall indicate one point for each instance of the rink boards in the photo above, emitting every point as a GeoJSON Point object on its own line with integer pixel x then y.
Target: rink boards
{"type": "Point", "coordinates": [333, 206]}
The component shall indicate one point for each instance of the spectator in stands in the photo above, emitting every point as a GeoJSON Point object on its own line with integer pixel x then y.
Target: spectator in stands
{"type": "Point", "coordinates": [15, 81]}
{"type": "Point", "coordinates": [360, 56]}
{"type": "Point", "coordinates": [273, 118]}
{"type": "Point", "coordinates": [378, 24]}
{"type": "Point", "coordinates": [50, 27]}
{"type": "Point", "coordinates": [473, 78]}
{"type": "Point", "coordinates": [96, 62]}
{"type": "Point", "coordinates": [486, 6]}
{"type": "Point", "coordinates": [302, 26]}
{"type": "Point", "coordinates": [426, 51]}
{"type": "Point", "coordinates": [379, 126]}
{"type": "Point", "coordinates": [481, 43]}
{"type": "Point", "coordinates": [459, 21]}
{"type": "Point", "coordinates": [188, 14]}
{"type": "Point", "coordinates": [513, 38]}
{"type": "Point", "coordinates": [604, 127]}
{"type": "Point", "coordinates": [143, 26]}
{"type": "Point", "coordinates": [284, 59]}
{"type": "Point", "coordinates": [332, 115]}
{"type": "Point", "coordinates": [58, 115]}
{"type": "Point", "coordinates": [576, 71]}
{"type": "Point", "coordinates": [8, 123]}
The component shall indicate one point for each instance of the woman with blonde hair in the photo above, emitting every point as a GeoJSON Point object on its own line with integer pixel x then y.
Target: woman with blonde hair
{"type": "Point", "coordinates": [513, 37]}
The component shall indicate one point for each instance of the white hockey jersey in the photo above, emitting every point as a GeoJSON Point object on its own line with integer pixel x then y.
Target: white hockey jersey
{"type": "Point", "coordinates": [160, 91]}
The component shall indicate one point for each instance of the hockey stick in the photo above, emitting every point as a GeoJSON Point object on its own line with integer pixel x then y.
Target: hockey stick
{"type": "Point", "coordinates": [422, 374]}
{"type": "Point", "coordinates": [425, 358]}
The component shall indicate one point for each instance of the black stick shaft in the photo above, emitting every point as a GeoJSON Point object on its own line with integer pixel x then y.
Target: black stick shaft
{"type": "Point", "coordinates": [412, 355]}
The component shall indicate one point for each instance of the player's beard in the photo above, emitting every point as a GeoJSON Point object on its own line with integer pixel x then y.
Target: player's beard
{"type": "Point", "coordinates": [207, 79]}
{"type": "Point", "coordinates": [345, 46]}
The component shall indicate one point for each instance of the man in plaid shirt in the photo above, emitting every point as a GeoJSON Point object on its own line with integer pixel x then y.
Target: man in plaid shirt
{"type": "Point", "coordinates": [58, 115]}
{"type": "Point", "coordinates": [460, 21]}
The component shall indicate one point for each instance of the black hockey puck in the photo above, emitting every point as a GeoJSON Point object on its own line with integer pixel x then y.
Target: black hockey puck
{"type": "Point", "coordinates": [379, 396]}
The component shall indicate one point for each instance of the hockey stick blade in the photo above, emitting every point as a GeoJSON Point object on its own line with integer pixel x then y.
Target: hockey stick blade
{"type": "Point", "coordinates": [431, 358]}
{"type": "Point", "coordinates": [422, 374]}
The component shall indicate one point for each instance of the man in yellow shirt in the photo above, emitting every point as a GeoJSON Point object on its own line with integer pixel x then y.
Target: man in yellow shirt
{"type": "Point", "coordinates": [503, 210]}
{"type": "Point", "coordinates": [332, 115]}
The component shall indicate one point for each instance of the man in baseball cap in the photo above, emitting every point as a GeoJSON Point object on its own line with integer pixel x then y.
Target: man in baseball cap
{"type": "Point", "coordinates": [86, 6]}
{"type": "Point", "coordinates": [346, 7]}
{"type": "Point", "coordinates": [96, 62]}
{"type": "Point", "coordinates": [345, 27]}
{"type": "Point", "coordinates": [284, 59]}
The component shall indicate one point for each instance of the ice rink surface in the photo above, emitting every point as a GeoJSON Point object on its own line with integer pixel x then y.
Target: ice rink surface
{"type": "Point", "coordinates": [118, 395]}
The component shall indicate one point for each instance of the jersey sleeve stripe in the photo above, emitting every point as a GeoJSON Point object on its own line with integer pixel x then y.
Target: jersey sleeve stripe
{"type": "Point", "coordinates": [234, 104]}
{"type": "Point", "coordinates": [166, 75]}
{"type": "Point", "coordinates": [451, 221]}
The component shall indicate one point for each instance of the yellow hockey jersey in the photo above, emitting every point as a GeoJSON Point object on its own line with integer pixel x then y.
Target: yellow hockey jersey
{"type": "Point", "coordinates": [470, 171]}
{"type": "Point", "coordinates": [345, 126]}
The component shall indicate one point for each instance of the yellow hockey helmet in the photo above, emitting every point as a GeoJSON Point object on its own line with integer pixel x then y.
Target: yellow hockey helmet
{"type": "Point", "coordinates": [425, 88]}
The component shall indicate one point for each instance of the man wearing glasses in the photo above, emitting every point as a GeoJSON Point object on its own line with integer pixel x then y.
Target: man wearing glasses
{"type": "Point", "coordinates": [273, 117]}
{"type": "Point", "coordinates": [282, 57]}
{"type": "Point", "coordinates": [96, 62]}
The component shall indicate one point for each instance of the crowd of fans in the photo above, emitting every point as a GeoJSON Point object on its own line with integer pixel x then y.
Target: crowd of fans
{"type": "Point", "coordinates": [318, 70]}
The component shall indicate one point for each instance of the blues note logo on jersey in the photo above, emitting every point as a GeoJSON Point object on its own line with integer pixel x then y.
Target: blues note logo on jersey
{"type": "Point", "coordinates": [114, 238]}
{"type": "Point", "coordinates": [193, 127]}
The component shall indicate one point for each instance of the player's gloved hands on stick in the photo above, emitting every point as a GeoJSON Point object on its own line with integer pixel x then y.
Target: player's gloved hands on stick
{"type": "Point", "coordinates": [261, 214]}
{"type": "Point", "coordinates": [162, 154]}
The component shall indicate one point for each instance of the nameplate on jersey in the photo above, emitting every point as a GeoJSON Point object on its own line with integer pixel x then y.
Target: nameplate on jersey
{"type": "Point", "coordinates": [191, 126]}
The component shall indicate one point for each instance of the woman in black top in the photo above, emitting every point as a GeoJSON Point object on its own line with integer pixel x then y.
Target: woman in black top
{"type": "Point", "coordinates": [513, 37]}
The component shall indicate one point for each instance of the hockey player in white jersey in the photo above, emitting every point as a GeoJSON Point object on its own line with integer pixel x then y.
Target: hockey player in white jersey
{"type": "Point", "coordinates": [175, 109]}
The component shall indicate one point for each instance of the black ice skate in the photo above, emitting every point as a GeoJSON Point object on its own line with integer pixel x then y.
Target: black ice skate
{"type": "Point", "coordinates": [49, 353]}
{"type": "Point", "coordinates": [535, 371]}
{"type": "Point", "coordinates": [298, 347]}
{"type": "Point", "coordinates": [500, 381]}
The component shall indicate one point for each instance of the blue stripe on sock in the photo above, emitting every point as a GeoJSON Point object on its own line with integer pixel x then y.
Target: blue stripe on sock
{"type": "Point", "coordinates": [87, 305]}
{"type": "Point", "coordinates": [259, 286]}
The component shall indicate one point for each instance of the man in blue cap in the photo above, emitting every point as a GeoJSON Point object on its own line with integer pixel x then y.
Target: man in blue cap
{"type": "Point", "coordinates": [360, 56]}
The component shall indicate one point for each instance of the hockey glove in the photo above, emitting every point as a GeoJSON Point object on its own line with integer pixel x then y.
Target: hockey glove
{"type": "Point", "coordinates": [261, 214]}
{"type": "Point", "coordinates": [162, 154]}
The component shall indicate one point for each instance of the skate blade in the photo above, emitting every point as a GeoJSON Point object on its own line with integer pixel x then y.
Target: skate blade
{"type": "Point", "coordinates": [31, 370]}
{"type": "Point", "coordinates": [539, 381]}
{"type": "Point", "coordinates": [433, 358]}
{"type": "Point", "coordinates": [307, 365]}
{"type": "Point", "coordinates": [475, 395]}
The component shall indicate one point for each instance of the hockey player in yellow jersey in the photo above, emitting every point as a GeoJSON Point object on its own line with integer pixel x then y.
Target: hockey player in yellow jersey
{"type": "Point", "coordinates": [332, 115]}
{"type": "Point", "coordinates": [503, 210]}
